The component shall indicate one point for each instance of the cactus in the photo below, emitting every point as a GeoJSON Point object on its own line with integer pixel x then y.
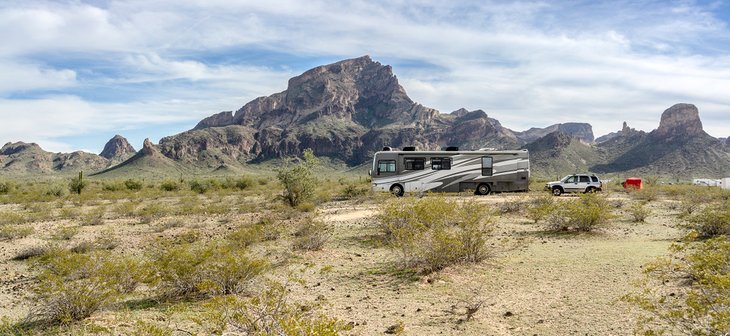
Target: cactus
{"type": "Point", "coordinates": [77, 183]}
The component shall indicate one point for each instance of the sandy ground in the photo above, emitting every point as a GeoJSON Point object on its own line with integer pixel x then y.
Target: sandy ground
{"type": "Point", "coordinates": [536, 283]}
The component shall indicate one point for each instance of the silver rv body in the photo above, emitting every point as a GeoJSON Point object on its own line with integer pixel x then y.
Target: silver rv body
{"type": "Point", "coordinates": [483, 171]}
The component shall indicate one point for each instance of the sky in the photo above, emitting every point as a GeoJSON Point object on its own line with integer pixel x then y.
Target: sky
{"type": "Point", "coordinates": [75, 73]}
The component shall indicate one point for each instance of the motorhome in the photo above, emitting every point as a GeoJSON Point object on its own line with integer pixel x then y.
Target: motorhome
{"type": "Point", "coordinates": [450, 170]}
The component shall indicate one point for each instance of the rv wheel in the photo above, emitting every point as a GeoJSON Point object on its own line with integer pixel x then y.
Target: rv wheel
{"type": "Point", "coordinates": [483, 189]}
{"type": "Point", "coordinates": [396, 190]}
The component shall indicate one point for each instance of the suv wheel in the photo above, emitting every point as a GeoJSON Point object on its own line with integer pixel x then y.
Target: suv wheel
{"type": "Point", "coordinates": [557, 191]}
{"type": "Point", "coordinates": [590, 190]}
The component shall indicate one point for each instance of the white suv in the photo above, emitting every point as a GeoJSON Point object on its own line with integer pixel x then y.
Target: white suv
{"type": "Point", "coordinates": [584, 183]}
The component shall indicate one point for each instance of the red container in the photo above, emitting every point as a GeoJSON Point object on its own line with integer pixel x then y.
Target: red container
{"type": "Point", "coordinates": [633, 183]}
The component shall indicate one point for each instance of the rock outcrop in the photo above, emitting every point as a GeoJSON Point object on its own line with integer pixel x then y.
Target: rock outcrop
{"type": "Point", "coordinates": [22, 158]}
{"type": "Point", "coordinates": [345, 110]}
{"type": "Point", "coordinates": [117, 149]}
{"type": "Point", "coordinates": [581, 131]}
{"type": "Point", "coordinates": [678, 147]}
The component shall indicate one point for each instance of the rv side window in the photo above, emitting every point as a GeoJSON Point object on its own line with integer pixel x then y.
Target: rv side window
{"type": "Point", "coordinates": [487, 166]}
{"type": "Point", "coordinates": [440, 163]}
{"type": "Point", "coordinates": [386, 166]}
{"type": "Point", "coordinates": [415, 163]}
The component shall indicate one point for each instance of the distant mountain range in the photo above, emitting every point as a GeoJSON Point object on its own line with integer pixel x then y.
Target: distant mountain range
{"type": "Point", "coordinates": [350, 109]}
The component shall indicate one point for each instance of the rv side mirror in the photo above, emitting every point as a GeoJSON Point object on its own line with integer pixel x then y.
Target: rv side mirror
{"type": "Point", "coordinates": [378, 170]}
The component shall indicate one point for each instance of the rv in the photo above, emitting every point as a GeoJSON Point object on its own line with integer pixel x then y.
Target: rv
{"type": "Point", "coordinates": [451, 170]}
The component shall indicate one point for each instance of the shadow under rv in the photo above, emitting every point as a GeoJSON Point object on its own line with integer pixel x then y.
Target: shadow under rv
{"type": "Point", "coordinates": [451, 170]}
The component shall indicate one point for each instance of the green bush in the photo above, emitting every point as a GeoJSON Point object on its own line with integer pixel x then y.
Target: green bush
{"type": "Point", "coordinates": [133, 185]}
{"type": "Point", "coordinates": [711, 221]}
{"type": "Point", "coordinates": [169, 185]}
{"type": "Point", "coordinates": [639, 212]}
{"type": "Point", "coordinates": [65, 232]}
{"type": "Point", "coordinates": [541, 207]}
{"type": "Point", "coordinates": [432, 233]}
{"type": "Point", "coordinates": [6, 187]}
{"type": "Point", "coordinates": [268, 313]}
{"type": "Point", "coordinates": [10, 232]}
{"type": "Point", "coordinates": [201, 187]}
{"type": "Point", "coordinates": [310, 235]}
{"type": "Point", "coordinates": [56, 190]}
{"type": "Point", "coordinates": [194, 270]}
{"type": "Point", "coordinates": [113, 186]}
{"type": "Point", "coordinates": [299, 181]}
{"type": "Point", "coordinates": [77, 184]}
{"type": "Point", "coordinates": [583, 214]}
{"type": "Point", "coordinates": [687, 293]}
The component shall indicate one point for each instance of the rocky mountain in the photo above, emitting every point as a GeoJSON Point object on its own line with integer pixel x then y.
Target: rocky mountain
{"type": "Point", "coordinates": [22, 158]}
{"type": "Point", "coordinates": [347, 111]}
{"type": "Point", "coordinates": [148, 161]}
{"type": "Point", "coordinates": [117, 149]}
{"type": "Point", "coordinates": [557, 154]}
{"type": "Point", "coordinates": [625, 131]}
{"type": "Point", "coordinates": [581, 131]}
{"type": "Point", "coordinates": [678, 147]}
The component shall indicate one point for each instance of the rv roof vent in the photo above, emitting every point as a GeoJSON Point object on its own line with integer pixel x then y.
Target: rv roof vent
{"type": "Point", "coordinates": [387, 149]}
{"type": "Point", "coordinates": [452, 149]}
{"type": "Point", "coordinates": [409, 149]}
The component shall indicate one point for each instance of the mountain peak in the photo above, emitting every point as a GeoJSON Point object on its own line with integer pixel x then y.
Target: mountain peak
{"type": "Point", "coordinates": [681, 119]}
{"type": "Point", "coordinates": [117, 148]}
{"type": "Point", "coordinates": [11, 148]}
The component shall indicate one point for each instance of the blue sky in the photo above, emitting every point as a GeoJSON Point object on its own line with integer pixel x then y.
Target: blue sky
{"type": "Point", "coordinates": [74, 73]}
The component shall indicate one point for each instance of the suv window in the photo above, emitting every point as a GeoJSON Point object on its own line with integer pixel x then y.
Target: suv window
{"type": "Point", "coordinates": [585, 179]}
{"type": "Point", "coordinates": [594, 178]}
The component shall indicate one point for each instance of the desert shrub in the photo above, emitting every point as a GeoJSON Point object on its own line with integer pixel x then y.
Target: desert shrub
{"type": "Point", "coordinates": [94, 217]}
{"type": "Point", "coordinates": [148, 328]}
{"type": "Point", "coordinates": [299, 181]}
{"type": "Point", "coordinates": [432, 233]}
{"type": "Point", "coordinates": [540, 207]}
{"type": "Point", "coordinates": [711, 221]}
{"type": "Point", "coordinates": [113, 186]}
{"type": "Point", "coordinates": [353, 190]}
{"type": "Point", "coordinates": [310, 235]}
{"type": "Point", "coordinates": [192, 270]}
{"type": "Point", "coordinates": [306, 207]}
{"type": "Point", "coordinates": [268, 313]}
{"type": "Point", "coordinates": [512, 206]}
{"type": "Point", "coordinates": [639, 212]}
{"type": "Point", "coordinates": [241, 183]}
{"type": "Point", "coordinates": [687, 293]}
{"type": "Point", "coordinates": [201, 187]}
{"type": "Point", "coordinates": [169, 185]}
{"type": "Point", "coordinates": [133, 185]}
{"type": "Point", "coordinates": [31, 252]}
{"type": "Point", "coordinates": [65, 233]}
{"type": "Point", "coordinates": [245, 235]}
{"type": "Point", "coordinates": [647, 194]}
{"type": "Point", "coordinates": [583, 214]}
{"type": "Point", "coordinates": [151, 211]}
{"type": "Point", "coordinates": [69, 287]}
{"type": "Point", "coordinates": [6, 187]}
{"type": "Point", "coordinates": [10, 232]}
{"type": "Point", "coordinates": [56, 190]}
{"type": "Point", "coordinates": [78, 184]}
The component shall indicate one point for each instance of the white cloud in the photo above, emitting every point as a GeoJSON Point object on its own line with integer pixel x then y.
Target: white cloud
{"type": "Point", "coordinates": [526, 63]}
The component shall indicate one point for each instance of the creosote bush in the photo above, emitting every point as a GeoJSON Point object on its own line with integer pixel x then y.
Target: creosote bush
{"type": "Point", "coordinates": [639, 212]}
{"type": "Point", "coordinates": [10, 232]}
{"type": "Point", "coordinates": [269, 313]}
{"type": "Point", "coordinates": [584, 214]}
{"type": "Point", "coordinates": [540, 207]}
{"type": "Point", "coordinates": [133, 185]}
{"type": "Point", "coordinates": [432, 233]}
{"type": "Point", "coordinates": [310, 234]}
{"type": "Point", "coordinates": [687, 293]}
{"type": "Point", "coordinates": [712, 221]}
{"type": "Point", "coordinates": [192, 270]}
{"type": "Point", "coordinates": [299, 181]}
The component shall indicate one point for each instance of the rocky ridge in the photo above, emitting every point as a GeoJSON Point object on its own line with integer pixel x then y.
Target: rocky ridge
{"type": "Point", "coordinates": [117, 149]}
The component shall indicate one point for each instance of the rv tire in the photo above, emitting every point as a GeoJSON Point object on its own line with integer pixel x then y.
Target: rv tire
{"type": "Point", "coordinates": [396, 190]}
{"type": "Point", "coordinates": [483, 189]}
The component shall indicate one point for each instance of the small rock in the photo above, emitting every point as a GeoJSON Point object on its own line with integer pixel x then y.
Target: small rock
{"type": "Point", "coordinates": [508, 314]}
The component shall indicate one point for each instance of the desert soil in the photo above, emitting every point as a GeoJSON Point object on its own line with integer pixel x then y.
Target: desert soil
{"type": "Point", "coordinates": [536, 283]}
